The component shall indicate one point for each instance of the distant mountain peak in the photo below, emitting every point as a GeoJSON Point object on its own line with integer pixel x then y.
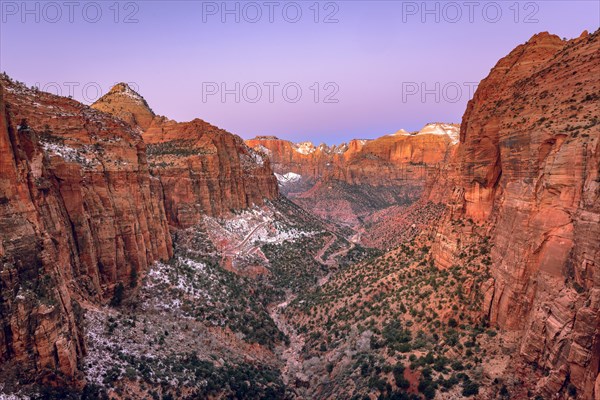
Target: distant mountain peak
{"type": "Point", "coordinates": [125, 103]}
{"type": "Point", "coordinates": [124, 88]}
{"type": "Point", "coordinates": [304, 148]}
{"type": "Point", "coordinates": [434, 128]}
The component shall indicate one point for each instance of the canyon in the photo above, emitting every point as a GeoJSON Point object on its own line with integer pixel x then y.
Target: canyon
{"type": "Point", "coordinates": [349, 182]}
{"type": "Point", "coordinates": [83, 212]}
{"type": "Point", "coordinates": [143, 257]}
{"type": "Point", "coordinates": [524, 174]}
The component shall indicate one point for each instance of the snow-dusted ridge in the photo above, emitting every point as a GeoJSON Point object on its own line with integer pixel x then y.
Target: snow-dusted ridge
{"type": "Point", "coordinates": [254, 226]}
{"type": "Point", "coordinates": [290, 177]}
{"type": "Point", "coordinates": [450, 130]}
{"type": "Point", "coordinates": [305, 148]}
{"type": "Point", "coordinates": [124, 90]}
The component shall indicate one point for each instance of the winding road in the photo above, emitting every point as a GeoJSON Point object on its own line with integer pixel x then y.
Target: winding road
{"type": "Point", "coordinates": [232, 250]}
{"type": "Point", "coordinates": [291, 354]}
{"type": "Point", "coordinates": [319, 256]}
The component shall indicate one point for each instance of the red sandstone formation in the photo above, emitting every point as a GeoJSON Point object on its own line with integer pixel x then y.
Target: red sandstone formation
{"type": "Point", "coordinates": [374, 162]}
{"type": "Point", "coordinates": [79, 212]}
{"type": "Point", "coordinates": [349, 182]}
{"type": "Point", "coordinates": [86, 204]}
{"type": "Point", "coordinates": [126, 104]}
{"type": "Point", "coordinates": [205, 170]}
{"type": "Point", "coordinates": [527, 172]}
{"type": "Point", "coordinates": [397, 159]}
{"type": "Point", "coordinates": [202, 169]}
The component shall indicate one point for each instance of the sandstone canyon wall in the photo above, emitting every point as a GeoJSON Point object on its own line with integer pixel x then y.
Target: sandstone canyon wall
{"type": "Point", "coordinates": [527, 173]}
{"type": "Point", "coordinates": [79, 213]}
{"type": "Point", "coordinates": [202, 169]}
{"type": "Point", "coordinates": [400, 156]}
{"type": "Point", "coordinates": [206, 170]}
{"type": "Point", "coordinates": [82, 211]}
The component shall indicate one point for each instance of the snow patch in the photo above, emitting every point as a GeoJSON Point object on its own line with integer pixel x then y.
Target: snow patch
{"type": "Point", "coordinates": [128, 92]}
{"type": "Point", "coordinates": [81, 156]}
{"type": "Point", "coordinates": [304, 148]}
{"type": "Point", "coordinates": [290, 177]}
{"type": "Point", "coordinates": [253, 227]}
{"type": "Point", "coordinates": [341, 149]}
{"type": "Point", "coordinates": [252, 159]}
{"type": "Point", "coordinates": [12, 396]}
{"type": "Point", "coordinates": [452, 131]}
{"type": "Point", "coordinates": [263, 150]}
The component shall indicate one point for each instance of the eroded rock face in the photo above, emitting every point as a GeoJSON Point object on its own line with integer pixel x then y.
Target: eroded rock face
{"type": "Point", "coordinates": [38, 328]}
{"type": "Point", "coordinates": [303, 159]}
{"type": "Point", "coordinates": [79, 213]}
{"type": "Point", "coordinates": [206, 170]}
{"type": "Point", "coordinates": [527, 171]}
{"type": "Point", "coordinates": [397, 159]}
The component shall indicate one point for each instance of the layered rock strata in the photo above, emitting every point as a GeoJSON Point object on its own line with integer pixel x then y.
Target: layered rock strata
{"type": "Point", "coordinates": [527, 172]}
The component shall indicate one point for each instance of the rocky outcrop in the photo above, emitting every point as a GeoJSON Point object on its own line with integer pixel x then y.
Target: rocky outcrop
{"type": "Point", "coordinates": [303, 159]}
{"type": "Point", "coordinates": [125, 103]}
{"type": "Point", "coordinates": [206, 170]}
{"type": "Point", "coordinates": [201, 168]}
{"type": "Point", "coordinates": [527, 173]}
{"type": "Point", "coordinates": [398, 159]}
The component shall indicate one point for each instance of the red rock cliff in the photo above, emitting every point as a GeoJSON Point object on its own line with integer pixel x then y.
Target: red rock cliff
{"type": "Point", "coordinates": [206, 170]}
{"type": "Point", "coordinates": [79, 212]}
{"type": "Point", "coordinates": [303, 158]}
{"type": "Point", "coordinates": [397, 159]}
{"type": "Point", "coordinates": [527, 172]}
{"type": "Point", "coordinates": [82, 209]}
{"type": "Point", "coordinates": [383, 161]}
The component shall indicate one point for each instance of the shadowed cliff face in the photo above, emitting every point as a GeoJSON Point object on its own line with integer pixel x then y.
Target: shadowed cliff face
{"type": "Point", "coordinates": [81, 212]}
{"type": "Point", "coordinates": [527, 170]}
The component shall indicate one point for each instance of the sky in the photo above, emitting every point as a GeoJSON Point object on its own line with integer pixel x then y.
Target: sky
{"type": "Point", "coordinates": [325, 71]}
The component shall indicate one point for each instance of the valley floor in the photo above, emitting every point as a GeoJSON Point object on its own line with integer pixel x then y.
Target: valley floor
{"type": "Point", "coordinates": [210, 323]}
{"type": "Point", "coordinates": [272, 303]}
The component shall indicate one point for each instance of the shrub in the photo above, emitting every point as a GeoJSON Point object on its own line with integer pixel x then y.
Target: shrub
{"type": "Point", "coordinates": [117, 298]}
{"type": "Point", "coordinates": [458, 366]}
{"type": "Point", "coordinates": [470, 388]}
{"type": "Point", "coordinates": [401, 381]}
{"type": "Point", "coordinates": [427, 388]}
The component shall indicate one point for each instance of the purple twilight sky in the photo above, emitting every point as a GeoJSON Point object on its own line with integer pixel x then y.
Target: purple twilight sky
{"type": "Point", "coordinates": [305, 70]}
